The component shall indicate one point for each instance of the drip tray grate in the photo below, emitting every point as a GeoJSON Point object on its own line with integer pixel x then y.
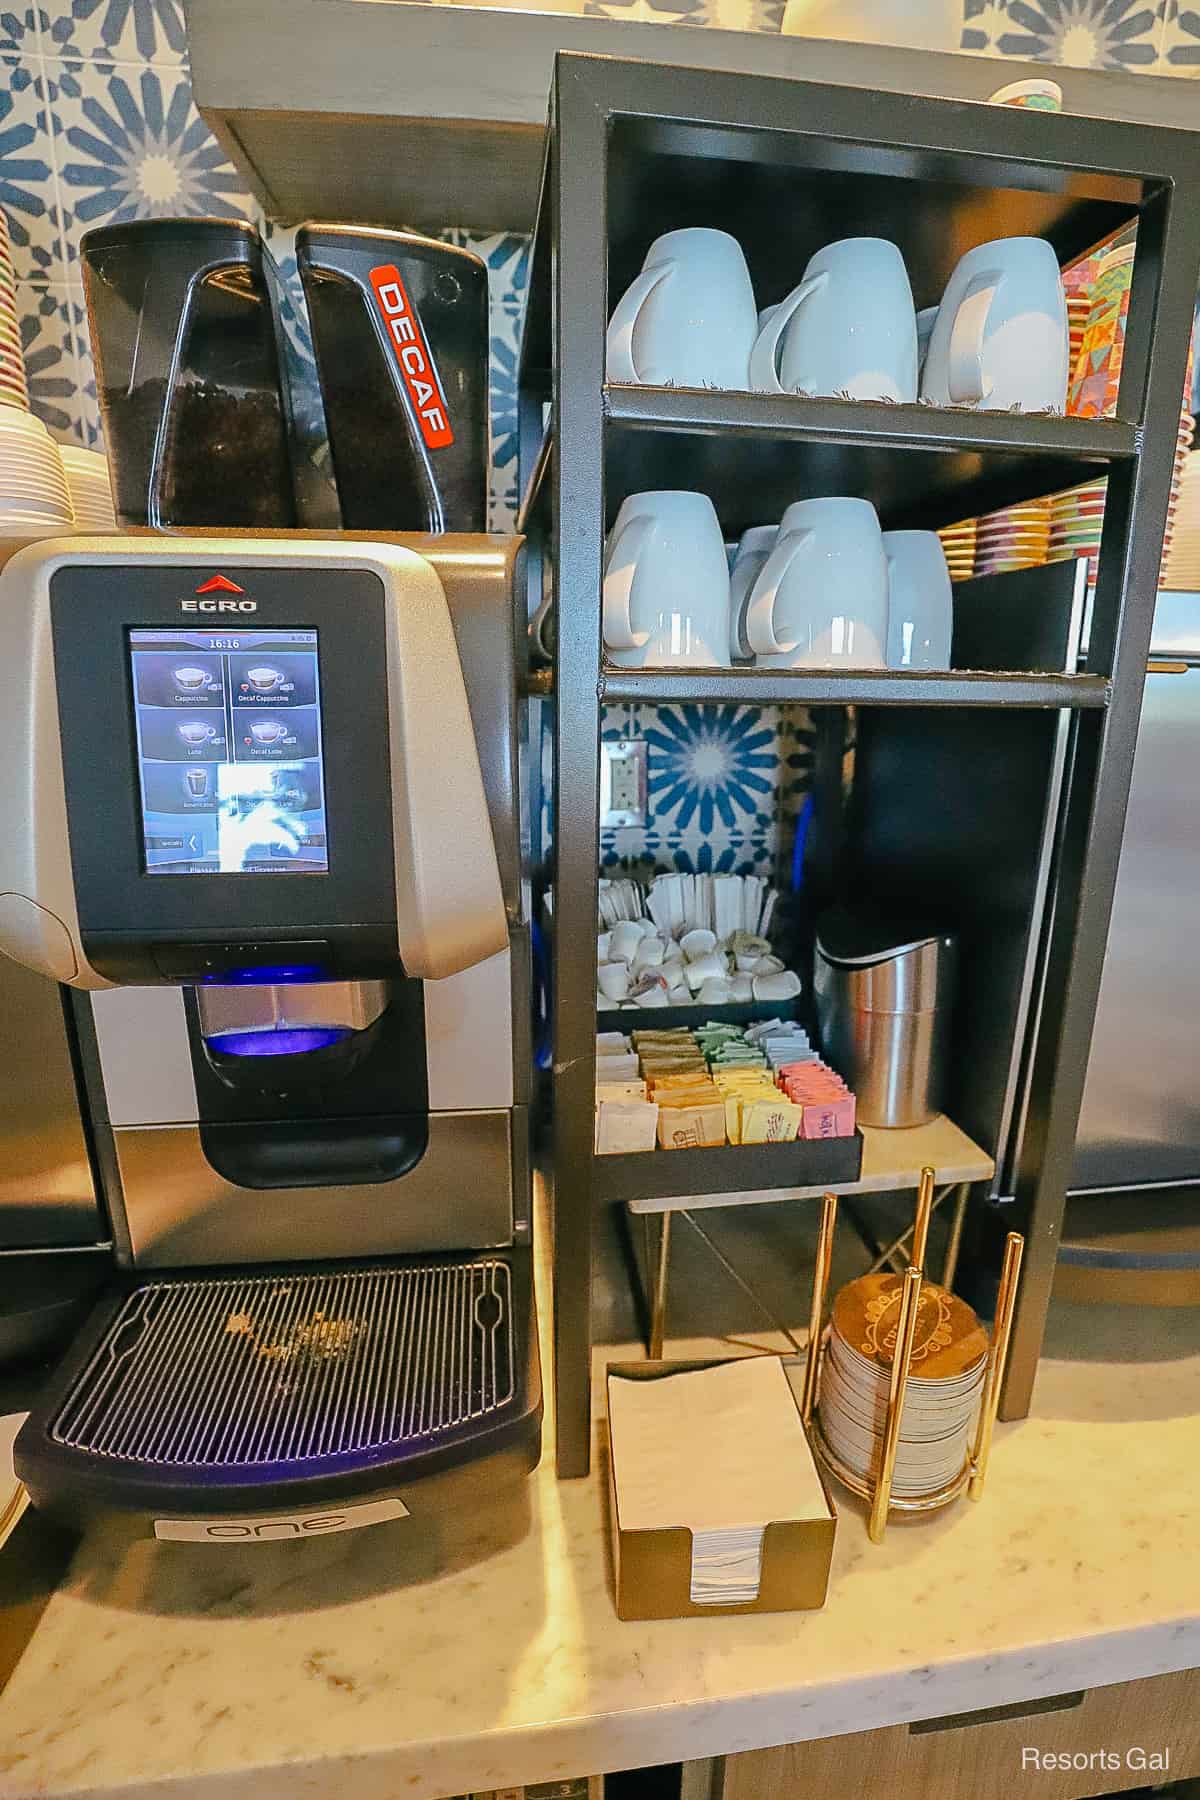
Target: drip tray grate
{"type": "Point", "coordinates": [230, 1372]}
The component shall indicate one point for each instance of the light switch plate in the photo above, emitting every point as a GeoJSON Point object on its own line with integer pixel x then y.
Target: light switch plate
{"type": "Point", "coordinates": [623, 782]}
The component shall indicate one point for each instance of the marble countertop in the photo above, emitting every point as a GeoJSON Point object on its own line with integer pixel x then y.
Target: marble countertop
{"type": "Point", "coordinates": [163, 1672]}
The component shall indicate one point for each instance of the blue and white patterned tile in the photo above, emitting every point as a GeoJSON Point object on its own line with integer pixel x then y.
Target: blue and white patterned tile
{"type": "Point", "coordinates": [48, 345]}
{"type": "Point", "coordinates": [131, 145]}
{"type": "Point", "coordinates": [86, 413]}
{"type": "Point", "coordinates": [715, 768]}
{"type": "Point", "coordinates": [1181, 40]}
{"type": "Point", "coordinates": [721, 853]}
{"type": "Point", "coordinates": [797, 746]}
{"type": "Point", "coordinates": [1084, 34]}
{"type": "Point", "coordinates": [506, 255]}
{"type": "Point", "coordinates": [983, 27]}
{"type": "Point", "coordinates": [136, 31]}
{"type": "Point", "coordinates": [27, 189]}
{"type": "Point", "coordinates": [21, 29]}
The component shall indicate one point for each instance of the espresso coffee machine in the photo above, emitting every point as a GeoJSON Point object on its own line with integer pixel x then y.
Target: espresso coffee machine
{"type": "Point", "coordinates": [264, 830]}
{"type": "Point", "coordinates": [297, 985]}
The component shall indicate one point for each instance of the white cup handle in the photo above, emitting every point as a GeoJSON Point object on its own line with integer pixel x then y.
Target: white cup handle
{"type": "Point", "coordinates": [764, 358]}
{"type": "Point", "coordinates": [619, 363]}
{"type": "Point", "coordinates": [617, 623]}
{"type": "Point", "coordinates": [965, 377]}
{"type": "Point", "coordinates": [760, 608]}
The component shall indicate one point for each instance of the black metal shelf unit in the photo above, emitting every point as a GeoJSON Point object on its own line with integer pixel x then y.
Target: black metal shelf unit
{"type": "Point", "coordinates": [787, 166]}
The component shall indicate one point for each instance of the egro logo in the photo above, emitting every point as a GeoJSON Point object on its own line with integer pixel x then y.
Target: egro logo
{"type": "Point", "coordinates": [412, 353]}
{"type": "Point", "coordinates": [218, 606]}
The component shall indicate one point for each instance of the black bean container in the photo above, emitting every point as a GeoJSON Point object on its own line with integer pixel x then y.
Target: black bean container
{"type": "Point", "coordinates": [400, 333]}
{"type": "Point", "coordinates": [184, 326]}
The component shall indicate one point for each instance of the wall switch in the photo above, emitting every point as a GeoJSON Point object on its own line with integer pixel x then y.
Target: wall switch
{"type": "Point", "coordinates": [623, 782]}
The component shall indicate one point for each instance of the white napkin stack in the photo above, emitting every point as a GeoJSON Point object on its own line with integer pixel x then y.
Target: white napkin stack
{"type": "Point", "coordinates": [722, 1452]}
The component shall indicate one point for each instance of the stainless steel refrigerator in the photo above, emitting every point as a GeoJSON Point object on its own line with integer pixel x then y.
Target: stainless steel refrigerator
{"type": "Point", "coordinates": [1140, 1122]}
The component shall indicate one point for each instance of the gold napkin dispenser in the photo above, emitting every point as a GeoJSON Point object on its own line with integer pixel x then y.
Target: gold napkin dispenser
{"type": "Point", "coordinates": [653, 1568]}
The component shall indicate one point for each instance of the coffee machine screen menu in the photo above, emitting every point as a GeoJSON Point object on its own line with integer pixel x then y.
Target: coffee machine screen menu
{"type": "Point", "coordinates": [228, 727]}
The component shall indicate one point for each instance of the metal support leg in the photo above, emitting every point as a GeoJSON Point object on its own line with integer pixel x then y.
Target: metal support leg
{"type": "Point", "coordinates": [898, 1248]}
{"type": "Point", "coordinates": [957, 1222]}
{"type": "Point", "coordinates": [658, 1315]}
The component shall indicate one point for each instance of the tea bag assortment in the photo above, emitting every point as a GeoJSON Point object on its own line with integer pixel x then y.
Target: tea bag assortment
{"type": "Point", "coordinates": [719, 1084]}
{"type": "Point", "coordinates": [688, 940]}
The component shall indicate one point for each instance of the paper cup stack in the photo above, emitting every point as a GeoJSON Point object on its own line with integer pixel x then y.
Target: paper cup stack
{"type": "Point", "coordinates": [91, 492]}
{"type": "Point", "coordinates": [944, 1383]}
{"type": "Point", "coordinates": [13, 388]}
{"type": "Point", "coordinates": [1018, 538]}
{"type": "Point", "coordinates": [958, 542]}
{"type": "Point", "coordinates": [1076, 521]}
{"type": "Point", "coordinates": [1182, 570]}
{"type": "Point", "coordinates": [35, 500]}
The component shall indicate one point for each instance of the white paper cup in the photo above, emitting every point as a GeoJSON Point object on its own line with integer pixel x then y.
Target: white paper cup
{"type": "Point", "coordinates": [613, 980]}
{"type": "Point", "coordinates": [651, 991]}
{"type": "Point", "coordinates": [650, 953]}
{"type": "Point", "coordinates": [705, 968]}
{"type": "Point", "coordinates": [783, 986]}
{"type": "Point", "coordinates": [716, 992]}
{"type": "Point", "coordinates": [698, 943]}
{"type": "Point", "coordinates": [623, 941]}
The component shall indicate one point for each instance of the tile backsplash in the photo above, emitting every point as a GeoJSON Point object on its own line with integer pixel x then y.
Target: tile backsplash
{"type": "Point", "coordinates": [97, 124]}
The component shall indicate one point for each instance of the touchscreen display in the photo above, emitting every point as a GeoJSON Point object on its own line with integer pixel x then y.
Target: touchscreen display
{"type": "Point", "coordinates": [228, 730]}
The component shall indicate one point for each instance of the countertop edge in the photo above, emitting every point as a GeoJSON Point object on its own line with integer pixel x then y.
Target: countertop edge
{"type": "Point", "coordinates": [719, 1725]}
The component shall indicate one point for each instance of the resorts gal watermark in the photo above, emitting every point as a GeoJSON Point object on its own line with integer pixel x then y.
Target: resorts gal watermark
{"type": "Point", "coordinates": [1137, 1757]}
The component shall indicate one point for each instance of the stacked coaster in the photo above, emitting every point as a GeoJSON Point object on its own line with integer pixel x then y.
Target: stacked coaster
{"type": "Point", "coordinates": [949, 1361]}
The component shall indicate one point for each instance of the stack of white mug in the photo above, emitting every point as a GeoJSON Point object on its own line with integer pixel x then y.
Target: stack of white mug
{"type": "Point", "coordinates": [826, 588]}
{"type": "Point", "coordinates": [998, 340]}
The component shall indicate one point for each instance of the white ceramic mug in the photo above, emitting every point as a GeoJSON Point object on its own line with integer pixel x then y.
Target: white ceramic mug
{"type": "Point", "coordinates": [666, 584]}
{"type": "Point", "coordinates": [821, 601]}
{"type": "Point", "coordinates": [754, 547]}
{"type": "Point", "coordinates": [920, 601]}
{"type": "Point", "coordinates": [689, 319]}
{"type": "Point", "coordinates": [926, 320]}
{"type": "Point", "coordinates": [1001, 340]}
{"type": "Point", "coordinates": [849, 328]}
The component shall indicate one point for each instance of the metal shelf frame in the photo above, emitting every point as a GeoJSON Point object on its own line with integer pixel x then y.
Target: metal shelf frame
{"type": "Point", "coordinates": [949, 174]}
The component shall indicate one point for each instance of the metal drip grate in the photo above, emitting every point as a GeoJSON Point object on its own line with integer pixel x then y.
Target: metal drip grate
{"type": "Point", "coordinates": [230, 1372]}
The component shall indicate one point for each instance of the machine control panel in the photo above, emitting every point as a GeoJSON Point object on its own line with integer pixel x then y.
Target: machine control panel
{"type": "Point", "coordinates": [230, 764]}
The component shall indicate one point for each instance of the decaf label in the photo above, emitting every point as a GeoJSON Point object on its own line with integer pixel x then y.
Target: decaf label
{"type": "Point", "coordinates": [949, 1337]}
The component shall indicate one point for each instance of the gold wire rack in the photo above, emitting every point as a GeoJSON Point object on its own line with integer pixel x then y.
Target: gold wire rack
{"type": "Point", "coordinates": [877, 1491]}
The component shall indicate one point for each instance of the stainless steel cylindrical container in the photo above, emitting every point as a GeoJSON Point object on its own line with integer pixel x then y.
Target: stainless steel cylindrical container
{"type": "Point", "coordinates": [884, 997]}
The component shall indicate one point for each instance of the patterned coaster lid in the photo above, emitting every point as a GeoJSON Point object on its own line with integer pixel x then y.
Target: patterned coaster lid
{"type": "Point", "coordinates": [949, 1340]}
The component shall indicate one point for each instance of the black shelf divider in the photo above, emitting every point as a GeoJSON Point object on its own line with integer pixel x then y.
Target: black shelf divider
{"type": "Point", "coordinates": [832, 421]}
{"type": "Point", "coordinates": [876, 687]}
{"type": "Point", "coordinates": [755, 453]}
{"type": "Point", "coordinates": [636, 149]}
{"type": "Point", "coordinates": [726, 1169]}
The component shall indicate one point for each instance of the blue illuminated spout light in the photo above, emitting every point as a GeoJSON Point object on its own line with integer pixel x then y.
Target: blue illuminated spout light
{"type": "Point", "coordinates": [288, 1040]}
{"type": "Point", "coordinates": [267, 975]}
